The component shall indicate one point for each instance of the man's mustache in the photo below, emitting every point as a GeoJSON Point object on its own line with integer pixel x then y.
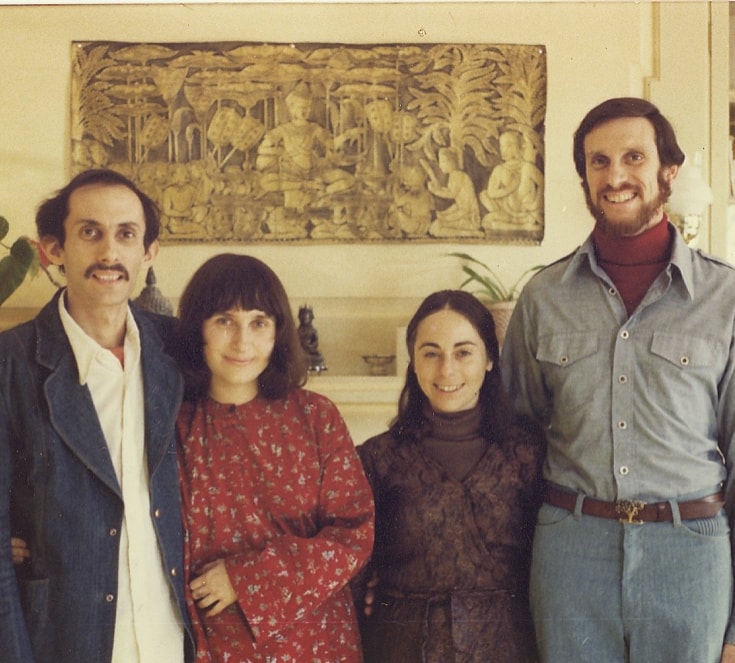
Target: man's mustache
{"type": "Point", "coordinates": [106, 268]}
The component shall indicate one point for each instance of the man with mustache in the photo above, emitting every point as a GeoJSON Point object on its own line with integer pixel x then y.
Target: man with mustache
{"type": "Point", "coordinates": [88, 472]}
{"type": "Point", "coordinates": [624, 352]}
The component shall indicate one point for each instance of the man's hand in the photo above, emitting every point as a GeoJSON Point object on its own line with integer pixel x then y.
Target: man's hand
{"type": "Point", "coordinates": [212, 590]}
{"type": "Point", "coordinates": [20, 550]}
{"type": "Point", "coordinates": [728, 654]}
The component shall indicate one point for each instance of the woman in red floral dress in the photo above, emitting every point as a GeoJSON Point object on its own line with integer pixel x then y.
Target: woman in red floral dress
{"type": "Point", "coordinates": [277, 510]}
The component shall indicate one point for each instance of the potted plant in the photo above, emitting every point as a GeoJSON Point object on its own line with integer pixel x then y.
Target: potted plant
{"type": "Point", "coordinates": [24, 256]}
{"type": "Point", "coordinates": [487, 286]}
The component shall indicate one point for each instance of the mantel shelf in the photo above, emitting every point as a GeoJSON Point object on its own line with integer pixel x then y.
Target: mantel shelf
{"type": "Point", "coordinates": [357, 389]}
{"type": "Point", "coordinates": [368, 403]}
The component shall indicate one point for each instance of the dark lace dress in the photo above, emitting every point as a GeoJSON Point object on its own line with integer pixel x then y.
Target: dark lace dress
{"type": "Point", "coordinates": [452, 554]}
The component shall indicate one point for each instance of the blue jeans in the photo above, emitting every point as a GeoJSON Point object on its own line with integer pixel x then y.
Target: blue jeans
{"type": "Point", "coordinates": [606, 592]}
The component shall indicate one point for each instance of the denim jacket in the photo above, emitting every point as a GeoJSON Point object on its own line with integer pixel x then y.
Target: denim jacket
{"type": "Point", "coordinates": [59, 491]}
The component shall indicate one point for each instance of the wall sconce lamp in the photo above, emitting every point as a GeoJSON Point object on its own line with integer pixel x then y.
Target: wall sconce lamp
{"type": "Point", "coordinates": [690, 196]}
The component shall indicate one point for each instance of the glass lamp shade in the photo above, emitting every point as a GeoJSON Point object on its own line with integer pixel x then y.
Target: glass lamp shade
{"type": "Point", "coordinates": [690, 194]}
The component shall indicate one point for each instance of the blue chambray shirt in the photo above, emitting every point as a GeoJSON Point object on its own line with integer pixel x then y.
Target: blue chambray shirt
{"type": "Point", "coordinates": [633, 407]}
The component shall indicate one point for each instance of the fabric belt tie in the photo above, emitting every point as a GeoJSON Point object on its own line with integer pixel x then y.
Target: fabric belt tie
{"type": "Point", "coordinates": [446, 597]}
{"type": "Point", "coordinates": [636, 511]}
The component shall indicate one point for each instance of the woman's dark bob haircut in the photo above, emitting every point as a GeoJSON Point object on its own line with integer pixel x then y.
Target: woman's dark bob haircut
{"type": "Point", "coordinates": [411, 424]}
{"type": "Point", "coordinates": [52, 213]}
{"type": "Point", "coordinates": [230, 281]}
{"type": "Point", "coordinates": [669, 152]}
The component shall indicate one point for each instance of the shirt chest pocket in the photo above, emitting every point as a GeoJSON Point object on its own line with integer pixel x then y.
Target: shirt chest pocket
{"type": "Point", "coordinates": [567, 361]}
{"type": "Point", "coordinates": [686, 352]}
{"type": "Point", "coordinates": [684, 371]}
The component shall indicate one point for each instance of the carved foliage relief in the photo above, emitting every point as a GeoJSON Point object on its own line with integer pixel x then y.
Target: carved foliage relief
{"type": "Point", "coordinates": [311, 142]}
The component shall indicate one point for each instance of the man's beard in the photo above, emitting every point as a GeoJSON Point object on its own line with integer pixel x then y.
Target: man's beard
{"type": "Point", "coordinates": [634, 226]}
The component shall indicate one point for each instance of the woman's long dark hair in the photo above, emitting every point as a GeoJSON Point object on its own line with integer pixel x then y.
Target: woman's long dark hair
{"type": "Point", "coordinates": [229, 281]}
{"type": "Point", "coordinates": [411, 423]}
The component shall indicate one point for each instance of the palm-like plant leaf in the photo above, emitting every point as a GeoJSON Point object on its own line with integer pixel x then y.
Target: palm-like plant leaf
{"type": "Point", "coordinates": [490, 285]}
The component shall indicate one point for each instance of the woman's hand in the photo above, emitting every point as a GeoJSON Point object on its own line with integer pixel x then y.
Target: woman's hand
{"type": "Point", "coordinates": [212, 590]}
{"type": "Point", "coordinates": [20, 550]}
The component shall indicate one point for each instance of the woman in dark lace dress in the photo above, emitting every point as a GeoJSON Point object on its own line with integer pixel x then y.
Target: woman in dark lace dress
{"type": "Point", "coordinates": [457, 485]}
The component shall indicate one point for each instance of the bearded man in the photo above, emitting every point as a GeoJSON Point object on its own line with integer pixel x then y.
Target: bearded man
{"type": "Point", "coordinates": [624, 351]}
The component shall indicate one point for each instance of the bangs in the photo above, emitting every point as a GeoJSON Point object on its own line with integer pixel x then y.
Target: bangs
{"type": "Point", "coordinates": [242, 291]}
{"type": "Point", "coordinates": [232, 281]}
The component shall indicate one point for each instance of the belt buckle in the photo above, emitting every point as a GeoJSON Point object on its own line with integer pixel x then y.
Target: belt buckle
{"type": "Point", "coordinates": [629, 509]}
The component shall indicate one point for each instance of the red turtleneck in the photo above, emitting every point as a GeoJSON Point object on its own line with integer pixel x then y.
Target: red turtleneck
{"type": "Point", "coordinates": [634, 262]}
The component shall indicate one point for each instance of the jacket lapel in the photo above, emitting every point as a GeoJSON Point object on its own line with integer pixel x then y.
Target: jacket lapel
{"type": "Point", "coordinates": [71, 409]}
{"type": "Point", "coordinates": [163, 389]}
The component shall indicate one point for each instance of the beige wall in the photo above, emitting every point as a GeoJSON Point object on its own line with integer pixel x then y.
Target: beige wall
{"type": "Point", "coordinates": [595, 50]}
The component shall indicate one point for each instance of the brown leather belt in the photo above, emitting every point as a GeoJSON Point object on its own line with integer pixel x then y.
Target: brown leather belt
{"type": "Point", "coordinates": [635, 511]}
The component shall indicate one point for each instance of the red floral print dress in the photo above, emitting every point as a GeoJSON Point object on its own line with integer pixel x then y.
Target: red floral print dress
{"type": "Point", "coordinates": [276, 489]}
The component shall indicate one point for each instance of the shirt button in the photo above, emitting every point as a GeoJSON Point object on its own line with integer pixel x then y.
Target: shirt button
{"type": "Point", "coordinates": [112, 532]}
{"type": "Point", "coordinates": [157, 513]}
{"type": "Point", "coordinates": [684, 361]}
{"type": "Point", "coordinates": [563, 360]}
{"type": "Point", "coordinates": [110, 598]}
{"type": "Point", "coordinates": [625, 334]}
{"type": "Point", "coordinates": [174, 572]}
{"type": "Point", "coordinates": [624, 470]}
{"type": "Point", "coordinates": [622, 379]}
{"type": "Point", "coordinates": [622, 425]}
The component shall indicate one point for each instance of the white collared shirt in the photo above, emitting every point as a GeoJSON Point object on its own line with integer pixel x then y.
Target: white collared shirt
{"type": "Point", "coordinates": [147, 626]}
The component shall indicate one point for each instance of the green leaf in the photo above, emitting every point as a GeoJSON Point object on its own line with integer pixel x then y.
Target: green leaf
{"type": "Point", "coordinates": [14, 267]}
{"type": "Point", "coordinates": [23, 251]}
{"type": "Point", "coordinates": [489, 285]}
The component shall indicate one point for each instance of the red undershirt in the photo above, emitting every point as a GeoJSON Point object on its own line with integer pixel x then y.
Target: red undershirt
{"type": "Point", "coordinates": [633, 263]}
